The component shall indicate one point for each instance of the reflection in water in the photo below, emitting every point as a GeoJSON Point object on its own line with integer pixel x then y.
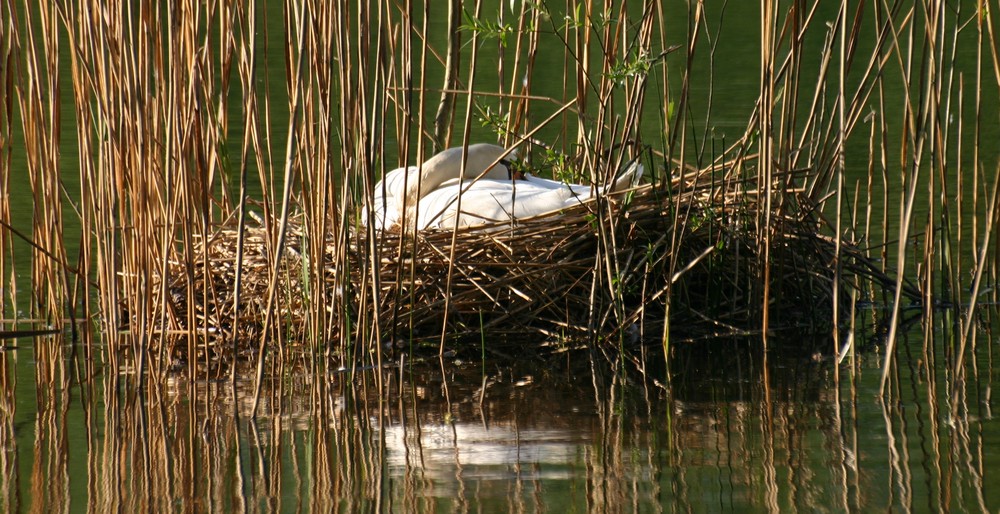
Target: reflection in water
{"type": "Point", "coordinates": [8, 447]}
{"type": "Point", "coordinates": [733, 431]}
{"type": "Point", "coordinates": [482, 452]}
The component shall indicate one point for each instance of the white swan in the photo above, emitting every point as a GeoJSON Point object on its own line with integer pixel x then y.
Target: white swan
{"type": "Point", "coordinates": [488, 201]}
{"type": "Point", "coordinates": [402, 189]}
{"type": "Point", "coordinates": [496, 197]}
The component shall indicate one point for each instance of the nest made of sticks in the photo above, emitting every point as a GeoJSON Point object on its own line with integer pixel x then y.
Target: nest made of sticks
{"type": "Point", "coordinates": [612, 267]}
{"type": "Point", "coordinates": [621, 266]}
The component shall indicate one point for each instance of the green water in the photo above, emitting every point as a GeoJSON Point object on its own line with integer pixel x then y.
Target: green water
{"type": "Point", "coordinates": [726, 430]}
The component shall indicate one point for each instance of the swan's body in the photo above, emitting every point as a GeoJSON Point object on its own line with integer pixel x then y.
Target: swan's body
{"type": "Point", "coordinates": [401, 189]}
{"type": "Point", "coordinates": [489, 200]}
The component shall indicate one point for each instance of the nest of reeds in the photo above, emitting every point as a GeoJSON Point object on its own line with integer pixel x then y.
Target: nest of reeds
{"type": "Point", "coordinates": [620, 266]}
{"type": "Point", "coordinates": [205, 292]}
{"type": "Point", "coordinates": [635, 267]}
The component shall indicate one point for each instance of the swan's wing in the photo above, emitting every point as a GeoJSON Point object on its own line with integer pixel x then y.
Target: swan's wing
{"type": "Point", "coordinates": [540, 183]}
{"type": "Point", "coordinates": [396, 183]}
{"type": "Point", "coordinates": [630, 177]}
{"type": "Point", "coordinates": [386, 198]}
{"type": "Point", "coordinates": [544, 202]}
{"type": "Point", "coordinates": [435, 206]}
{"type": "Point", "coordinates": [490, 201]}
{"type": "Point", "coordinates": [504, 203]}
{"type": "Point", "coordinates": [385, 213]}
{"type": "Point", "coordinates": [439, 208]}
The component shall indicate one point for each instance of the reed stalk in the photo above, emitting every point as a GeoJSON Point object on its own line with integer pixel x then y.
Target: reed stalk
{"type": "Point", "coordinates": [8, 299]}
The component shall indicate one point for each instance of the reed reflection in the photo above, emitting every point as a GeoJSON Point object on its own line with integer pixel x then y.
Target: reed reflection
{"type": "Point", "coordinates": [731, 429]}
{"type": "Point", "coordinates": [9, 494]}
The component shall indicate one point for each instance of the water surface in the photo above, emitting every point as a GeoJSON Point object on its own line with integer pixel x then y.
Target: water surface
{"type": "Point", "coordinates": [726, 431]}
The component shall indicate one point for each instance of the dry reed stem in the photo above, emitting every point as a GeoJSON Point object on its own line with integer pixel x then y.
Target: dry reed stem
{"type": "Point", "coordinates": [6, 158]}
